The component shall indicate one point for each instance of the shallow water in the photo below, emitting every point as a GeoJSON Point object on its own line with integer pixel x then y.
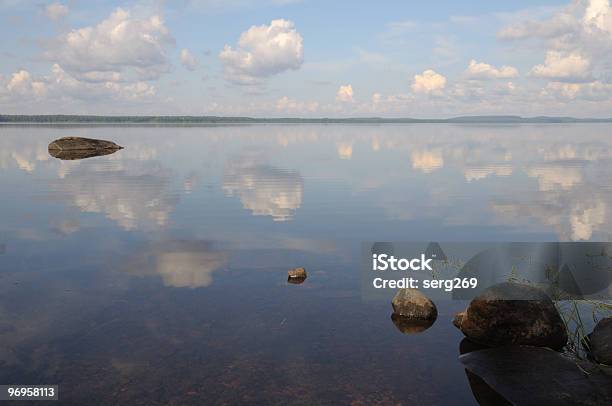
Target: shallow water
{"type": "Point", "coordinates": [158, 274]}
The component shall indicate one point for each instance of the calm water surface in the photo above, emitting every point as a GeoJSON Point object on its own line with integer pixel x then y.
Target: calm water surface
{"type": "Point", "coordinates": [157, 275]}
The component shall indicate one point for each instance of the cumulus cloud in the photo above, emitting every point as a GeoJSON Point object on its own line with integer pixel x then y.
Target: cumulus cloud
{"type": "Point", "coordinates": [481, 70]}
{"type": "Point", "coordinates": [563, 68]}
{"type": "Point", "coordinates": [594, 91]}
{"type": "Point", "coordinates": [263, 51]}
{"type": "Point", "coordinates": [345, 94]}
{"type": "Point", "coordinates": [56, 11]}
{"type": "Point", "coordinates": [578, 41]}
{"type": "Point", "coordinates": [60, 85]}
{"type": "Point", "coordinates": [120, 43]}
{"type": "Point", "coordinates": [288, 105]}
{"type": "Point", "coordinates": [22, 84]}
{"type": "Point", "coordinates": [188, 61]}
{"type": "Point", "coordinates": [428, 82]}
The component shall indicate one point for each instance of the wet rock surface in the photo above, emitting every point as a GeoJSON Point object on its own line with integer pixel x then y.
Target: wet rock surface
{"type": "Point", "coordinates": [296, 275]}
{"type": "Point", "coordinates": [407, 325]}
{"type": "Point", "coordinates": [524, 375]}
{"type": "Point", "coordinates": [412, 304]}
{"type": "Point", "coordinates": [72, 148]}
{"type": "Point", "coordinates": [600, 341]}
{"type": "Point", "coordinates": [499, 317]}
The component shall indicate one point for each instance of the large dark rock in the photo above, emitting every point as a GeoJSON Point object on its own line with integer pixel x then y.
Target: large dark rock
{"type": "Point", "coordinates": [512, 313]}
{"type": "Point", "coordinates": [600, 341]}
{"type": "Point", "coordinates": [413, 304]}
{"type": "Point", "coordinates": [71, 148]}
{"type": "Point", "coordinates": [522, 375]}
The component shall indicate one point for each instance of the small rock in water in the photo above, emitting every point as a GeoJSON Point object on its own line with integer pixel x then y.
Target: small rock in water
{"type": "Point", "coordinates": [408, 325]}
{"type": "Point", "coordinates": [512, 313]}
{"type": "Point", "coordinates": [600, 341]}
{"type": "Point", "coordinates": [297, 274]}
{"type": "Point", "coordinates": [71, 148]}
{"type": "Point", "coordinates": [413, 304]}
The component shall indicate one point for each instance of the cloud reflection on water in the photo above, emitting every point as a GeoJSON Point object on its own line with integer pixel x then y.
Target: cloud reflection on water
{"type": "Point", "coordinates": [180, 264]}
{"type": "Point", "coordinates": [535, 178]}
{"type": "Point", "coordinates": [263, 189]}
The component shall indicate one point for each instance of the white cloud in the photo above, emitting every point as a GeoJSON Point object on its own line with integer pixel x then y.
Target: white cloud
{"type": "Point", "coordinates": [598, 15]}
{"type": "Point", "coordinates": [263, 51]}
{"type": "Point", "coordinates": [60, 85]}
{"type": "Point", "coordinates": [594, 91]}
{"type": "Point", "coordinates": [188, 61]}
{"type": "Point", "coordinates": [578, 41]}
{"type": "Point", "coordinates": [563, 68]}
{"type": "Point", "coordinates": [481, 70]}
{"type": "Point", "coordinates": [118, 43]}
{"type": "Point", "coordinates": [288, 105]}
{"type": "Point", "coordinates": [428, 82]}
{"type": "Point", "coordinates": [345, 94]}
{"type": "Point", "coordinates": [56, 11]}
{"type": "Point", "coordinates": [22, 84]}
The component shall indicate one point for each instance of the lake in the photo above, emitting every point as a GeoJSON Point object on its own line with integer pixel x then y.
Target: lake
{"type": "Point", "coordinates": [158, 274]}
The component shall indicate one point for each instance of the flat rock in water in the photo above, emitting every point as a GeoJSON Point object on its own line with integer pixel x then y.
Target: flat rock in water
{"type": "Point", "coordinates": [600, 341]}
{"type": "Point", "coordinates": [413, 304]}
{"type": "Point", "coordinates": [526, 375]}
{"type": "Point", "coordinates": [72, 148]}
{"type": "Point", "coordinates": [512, 313]}
{"type": "Point", "coordinates": [81, 144]}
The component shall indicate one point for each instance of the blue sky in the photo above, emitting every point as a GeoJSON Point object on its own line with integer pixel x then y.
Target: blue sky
{"type": "Point", "coordinates": [307, 58]}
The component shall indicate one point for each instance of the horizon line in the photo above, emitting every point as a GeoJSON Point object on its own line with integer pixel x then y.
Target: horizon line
{"type": "Point", "coordinates": [195, 119]}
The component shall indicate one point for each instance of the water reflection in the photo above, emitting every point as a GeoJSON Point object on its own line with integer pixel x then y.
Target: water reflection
{"type": "Point", "coordinates": [407, 325]}
{"type": "Point", "coordinates": [520, 179]}
{"type": "Point", "coordinates": [264, 190]}
{"type": "Point", "coordinates": [103, 252]}
{"type": "Point", "coordinates": [76, 155]}
{"type": "Point", "coordinates": [522, 375]}
{"type": "Point", "coordinates": [133, 193]}
{"type": "Point", "coordinates": [427, 161]}
{"type": "Point", "coordinates": [180, 264]}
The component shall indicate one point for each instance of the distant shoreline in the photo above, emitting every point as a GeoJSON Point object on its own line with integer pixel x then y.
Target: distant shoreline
{"type": "Point", "coordinates": [194, 120]}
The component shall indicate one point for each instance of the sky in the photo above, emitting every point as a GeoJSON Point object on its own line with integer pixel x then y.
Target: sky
{"type": "Point", "coordinates": [309, 58]}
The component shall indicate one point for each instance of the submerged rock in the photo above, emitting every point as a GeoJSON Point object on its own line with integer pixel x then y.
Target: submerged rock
{"type": "Point", "coordinates": [523, 375]}
{"type": "Point", "coordinates": [413, 304]}
{"type": "Point", "coordinates": [600, 341]}
{"type": "Point", "coordinates": [409, 325]}
{"type": "Point", "coordinates": [296, 281]}
{"type": "Point", "coordinates": [512, 313]}
{"type": "Point", "coordinates": [71, 148]}
{"type": "Point", "coordinates": [296, 274]}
